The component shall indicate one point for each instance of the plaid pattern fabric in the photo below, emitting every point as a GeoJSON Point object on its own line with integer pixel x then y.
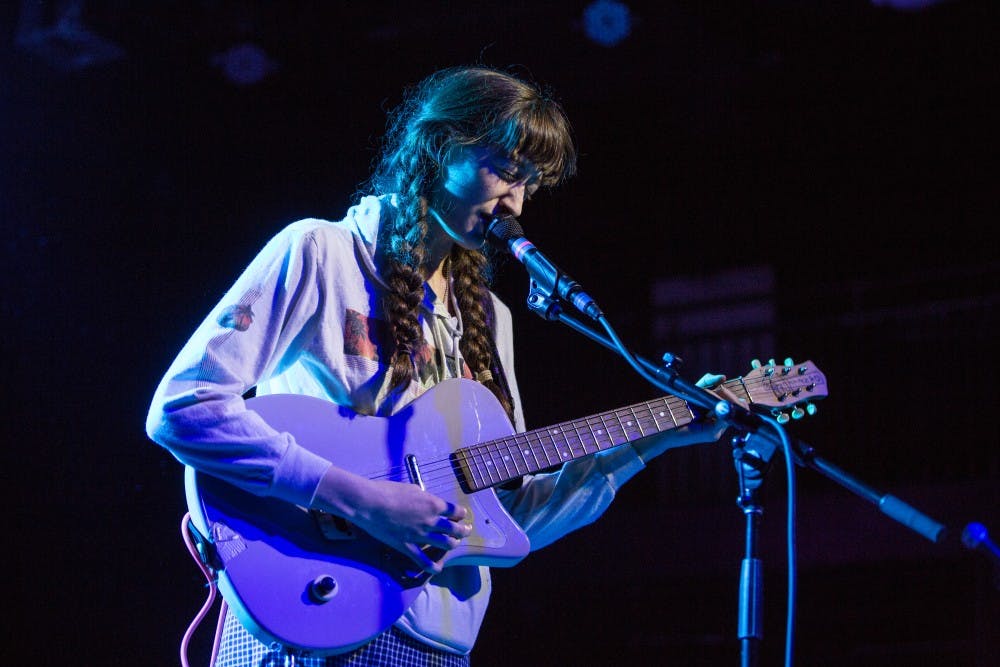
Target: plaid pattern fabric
{"type": "Point", "coordinates": [392, 648]}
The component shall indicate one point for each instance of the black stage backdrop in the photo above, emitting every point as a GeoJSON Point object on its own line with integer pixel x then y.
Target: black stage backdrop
{"type": "Point", "coordinates": [847, 151]}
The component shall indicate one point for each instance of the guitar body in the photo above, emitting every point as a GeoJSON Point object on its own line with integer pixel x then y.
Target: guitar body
{"type": "Point", "coordinates": [321, 585]}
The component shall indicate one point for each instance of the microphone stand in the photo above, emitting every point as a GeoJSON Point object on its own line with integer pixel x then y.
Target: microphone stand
{"type": "Point", "coordinates": [752, 452]}
{"type": "Point", "coordinates": [751, 463]}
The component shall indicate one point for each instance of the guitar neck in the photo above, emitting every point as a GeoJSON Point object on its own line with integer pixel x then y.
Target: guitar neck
{"type": "Point", "coordinates": [497, 461]}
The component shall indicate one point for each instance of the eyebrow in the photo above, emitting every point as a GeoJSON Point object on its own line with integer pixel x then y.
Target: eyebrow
{"type": "Point", "coordinates": [522, 169]}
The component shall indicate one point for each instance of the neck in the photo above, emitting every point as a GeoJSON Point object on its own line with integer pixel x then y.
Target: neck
{"type": "Point", "coordinates": [438, 242]}
{"type": "Point", "coordinates": [438, 278]}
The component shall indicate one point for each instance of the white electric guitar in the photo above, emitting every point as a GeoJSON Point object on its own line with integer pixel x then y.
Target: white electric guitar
{"type": "Point", "coordinates": [315, 583]}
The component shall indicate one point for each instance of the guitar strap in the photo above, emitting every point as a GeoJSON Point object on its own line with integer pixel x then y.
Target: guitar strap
{"type": "Point", "coordinates": [495, 366]}
{"type": "Point", "coordinates": [499, 377]}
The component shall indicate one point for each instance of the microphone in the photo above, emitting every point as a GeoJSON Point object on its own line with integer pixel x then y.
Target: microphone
{"type": "Point", "coordinates": [976, 538]}
{"type": "Point", "coordinates": [505, 233]}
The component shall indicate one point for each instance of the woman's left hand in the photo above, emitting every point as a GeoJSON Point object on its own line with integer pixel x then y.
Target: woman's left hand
{"type": "Point", "coordinates": [706, 429]}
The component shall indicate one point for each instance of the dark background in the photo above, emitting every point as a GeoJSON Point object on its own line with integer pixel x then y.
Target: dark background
{"type": "Point", "coordinates": [848, 149]}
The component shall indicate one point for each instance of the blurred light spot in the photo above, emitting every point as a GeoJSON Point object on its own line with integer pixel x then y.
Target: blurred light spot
{"type": "Point", "coordinates": [66, 43]}
{"type": "Point", "coordinates": [906, 5]}
{"type": "Point", "coordinates": [607, 22]}
{"type": "Point", "coordinates": [245, 64]}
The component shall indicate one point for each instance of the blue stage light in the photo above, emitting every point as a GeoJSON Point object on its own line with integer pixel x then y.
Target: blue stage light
{"type": "Point", "coordinates": [607, 22]}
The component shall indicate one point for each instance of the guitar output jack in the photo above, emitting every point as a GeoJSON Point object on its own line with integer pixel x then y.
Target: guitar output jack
{"type": "Point", "coordinates": [323, 588]}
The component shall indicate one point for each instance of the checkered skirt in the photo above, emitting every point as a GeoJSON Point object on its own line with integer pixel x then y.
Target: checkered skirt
{"type": "Point", "coordinates": [392, 648]}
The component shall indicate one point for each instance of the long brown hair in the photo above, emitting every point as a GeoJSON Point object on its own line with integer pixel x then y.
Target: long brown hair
{"type": "Point", "coordinates": [449, 110]}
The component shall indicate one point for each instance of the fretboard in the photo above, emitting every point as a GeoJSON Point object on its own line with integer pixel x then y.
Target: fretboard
{"type": "Point", "coordinates": [497, 461]}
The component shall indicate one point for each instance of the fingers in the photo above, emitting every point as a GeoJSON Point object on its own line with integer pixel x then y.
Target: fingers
{"type": "Point", "coordinates": [710, 381]}
{"type": "Point", "coordinates": [422, 560]}
{"type": "Point", "coordinates": [453, 511]}
{"type": "Point", "coordinates": [451, 528]}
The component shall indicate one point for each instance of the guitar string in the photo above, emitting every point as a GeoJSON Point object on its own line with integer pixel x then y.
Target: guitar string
{"type": "Point", "coordinates": [509, 449]}
{"type": "Point", "coordinates": [482, 460]}
{"type": "Point", "coordinates": [543, 445]}
{"type": "Point", "coordinates": [544, 442]}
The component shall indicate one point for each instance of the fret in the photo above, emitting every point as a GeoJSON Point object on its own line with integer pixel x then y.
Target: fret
{"type": "Point", "coordinates": [489, 464]}
{"type": "Point", "coordinates": [526, 444]}
{"type": "Point", "coordinates": [670, 408]}
{"type": "Point", "coordinates": [639, 420]}
{"type": "Point", "coordinates": [560, 444]}
{"type": "Point", "coordinates": [652, 422]}
{"type": "Point", "coordinates": [601, 434]}
{"type": "Point", "coordinates": [460, 460]}
{"type": "Point", "coordinates": [663, 412]}
{"type": "Point", "coordinates": [537, 450]}
{"type": "Point", "coordinates": [503, 452]}
{"type": "Point", "coordinates": [609, 428]}
{"type": "Point", "coordinates": [523, 451]}
{"type": "Point", "coordinates": [472, 466]}
{"type": "Point", "coordinates": [514, 457]}
{"type": "Point", "coordinates": [475, 466]}
{"type": "Point", "coordinates": [621, 427]}
{"type": "Point", "coordinates": [680, 410]}
{"type": "Point", "coordinates": [472, 456]}
{"type": "Point", "coordinates": [593, 436]}
{"type": "Point", "coordinates": [579, 432]}
{"type": "Point", "coordinates": [546, 451]}
{"type": "Point", "coordinates": [574, 441]}
{"type": "Point", "coordinates": [739, 388]}
{"type": "Point", "coordinates": [499, 459]}
{"type": "Point", "coordinates": [634, 424]}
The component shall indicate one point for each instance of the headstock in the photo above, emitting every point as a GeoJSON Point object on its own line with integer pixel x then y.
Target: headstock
{"type": "Point", "coordinates": [785, 388]}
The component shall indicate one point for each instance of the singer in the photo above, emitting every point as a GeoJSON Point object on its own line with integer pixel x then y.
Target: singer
{"type": "Point", "coordinates": [370, 312]}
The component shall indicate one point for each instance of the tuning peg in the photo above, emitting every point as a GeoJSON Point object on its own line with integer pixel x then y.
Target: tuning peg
{"type": "Point", "coordinates": [755, 364]}
{"type": "Point", "coordinates": [798, 413]}
{"type": "Point", "coordinates": [789, 362]}
{"type": "Point", "coordinates": [781, 417]}
{"type": "Point", "coordinates": [770, 362]}
{"type": "Point", "coordinates": [811, 408]}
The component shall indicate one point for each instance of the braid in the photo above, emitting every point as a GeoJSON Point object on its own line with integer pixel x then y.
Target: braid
{"type": "Point", "coordinates": [404, 233]}
{"type": "Point", "coordinates": [469, 270]}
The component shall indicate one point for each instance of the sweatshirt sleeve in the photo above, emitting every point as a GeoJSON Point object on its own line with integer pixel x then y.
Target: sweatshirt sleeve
{"type": "Point", "coordinates": [256, 330]}
{"type": "Point", "coordinates": [551, 505]}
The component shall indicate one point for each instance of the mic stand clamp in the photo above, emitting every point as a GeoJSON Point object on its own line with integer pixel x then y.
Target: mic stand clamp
{"type": "Point", "coordinates": [542, 302]}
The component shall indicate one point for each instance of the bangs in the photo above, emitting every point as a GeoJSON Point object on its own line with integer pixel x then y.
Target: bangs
{"type": "Point", "coordinates": [538, 134]}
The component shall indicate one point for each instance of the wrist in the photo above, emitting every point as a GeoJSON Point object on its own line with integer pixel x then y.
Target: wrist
{"type": "Point", "coordinates": [339, 492]}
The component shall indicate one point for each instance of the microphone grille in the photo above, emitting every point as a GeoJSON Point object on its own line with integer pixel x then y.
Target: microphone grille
{"type": "Point", "coordinates": [502, 230]}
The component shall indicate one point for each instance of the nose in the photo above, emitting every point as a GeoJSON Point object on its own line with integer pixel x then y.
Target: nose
{"type": "Point", "coordinates": [513, 200]}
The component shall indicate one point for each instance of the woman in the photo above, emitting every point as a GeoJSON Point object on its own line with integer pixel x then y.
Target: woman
{"type": "Point", "coordinates": [370, 312]}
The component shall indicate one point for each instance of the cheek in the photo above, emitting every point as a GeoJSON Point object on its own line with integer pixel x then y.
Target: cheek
{"type": "Point", "coordinates": [470, 184]}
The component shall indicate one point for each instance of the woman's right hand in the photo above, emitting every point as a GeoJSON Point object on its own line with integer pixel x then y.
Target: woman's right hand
{"type": "Point", "coordinates": [403, 516]}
